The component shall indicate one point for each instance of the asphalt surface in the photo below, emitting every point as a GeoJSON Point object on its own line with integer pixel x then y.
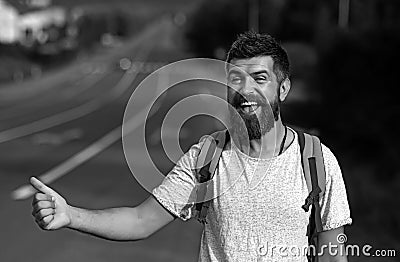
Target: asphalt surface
{"type": "Point", "coordinates": [43, 129]}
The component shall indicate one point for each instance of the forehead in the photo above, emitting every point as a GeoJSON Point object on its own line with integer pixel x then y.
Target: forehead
{"type": "Point", "coordinates": [253, 64]}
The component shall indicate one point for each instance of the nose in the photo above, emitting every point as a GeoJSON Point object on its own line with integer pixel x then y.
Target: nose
{"type": "Point", "coordinates": [245, 87]}
{"type": "Point", "coordinates": [248, 86]}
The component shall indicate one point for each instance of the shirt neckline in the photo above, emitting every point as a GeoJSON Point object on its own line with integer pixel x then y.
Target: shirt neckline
{"type": "Point", "coordinates": [290, 147]}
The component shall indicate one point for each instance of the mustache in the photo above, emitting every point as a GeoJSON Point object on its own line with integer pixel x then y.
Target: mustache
{"type": "Point", "coordinates": [238, 99]}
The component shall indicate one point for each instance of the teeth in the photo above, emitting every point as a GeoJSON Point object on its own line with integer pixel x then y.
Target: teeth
{"type": "Point", "coordinates": [249, 104]}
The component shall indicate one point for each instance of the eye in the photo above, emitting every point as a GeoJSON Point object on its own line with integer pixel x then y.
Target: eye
{"type": "Point", "coordinates": [261, 79]}
{"type": "Point", "coordinates": [235, 80]}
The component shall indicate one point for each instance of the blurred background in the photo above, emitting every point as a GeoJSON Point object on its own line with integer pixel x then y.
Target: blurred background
{"type": "Point", "coordinates": [68, 68]}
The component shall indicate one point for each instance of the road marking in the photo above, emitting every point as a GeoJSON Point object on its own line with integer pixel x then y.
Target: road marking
{"type": "Point", "coordinates": [81, 157]}
{"type": "Point", "coordinates": [86, 154]}
{"type": "Point", "coordinates": [77, 112]}
{"type": "Point", "coordinates": [26, 191]}
{"type": "Point", "coordinates": [89, 81]}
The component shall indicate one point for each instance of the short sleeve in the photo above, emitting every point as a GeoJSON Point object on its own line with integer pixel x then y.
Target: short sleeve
{"type": "Point", "coordinates": [335, 210]}
{"type": "Point", "coordinates": [177, 191]}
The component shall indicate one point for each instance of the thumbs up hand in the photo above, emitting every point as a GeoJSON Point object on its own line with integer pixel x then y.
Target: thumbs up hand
{"type": "Point", "coordinates": [50, 209]}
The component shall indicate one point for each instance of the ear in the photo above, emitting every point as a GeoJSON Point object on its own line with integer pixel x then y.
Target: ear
{"type": "Point", "coordinates": [284, 89]}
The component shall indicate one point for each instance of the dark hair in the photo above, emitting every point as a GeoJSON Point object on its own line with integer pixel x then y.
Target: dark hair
{"type": "Point", "coordinates": [251, 44]}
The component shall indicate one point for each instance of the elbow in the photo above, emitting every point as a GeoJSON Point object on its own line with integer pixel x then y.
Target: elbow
{"type": "Point", "coordinates": [130, 238]}
{"type": "Point", "coordinates": [138, 236]}
{"type": "Point", "coordinates": [145, 235]}
{"type": "Point", "coordinates": [147, 231]}
{"type": "Point", "coordinates": [139, 232]}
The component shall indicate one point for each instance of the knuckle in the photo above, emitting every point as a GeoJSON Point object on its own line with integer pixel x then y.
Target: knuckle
{"type": "Point", "coordinates": [39, 223]}
{"type": "Point", "coordinates": [42, 212]}
{"type": "Point", "coordinates": [38, 216]}
{"type": "Point", "coordinates": [42, 224]}
{"type": "Point", "coordinates": [48, 219]}
{"type": "Point", "coordinates": [38, 205]}
{"type": "Point", "coordinates": [37, 196]}
{"type": "Point", "coordinates": [43, 204]}
{"type": "Point", "coordinates": [35, 209]}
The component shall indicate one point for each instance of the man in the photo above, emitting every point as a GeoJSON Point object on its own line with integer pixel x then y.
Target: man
{"type": "Point", "coordinates": [259, 217]}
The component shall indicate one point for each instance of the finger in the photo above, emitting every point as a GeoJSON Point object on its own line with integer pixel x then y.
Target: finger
{"type": "Point", "coordinates": [40, 197]}
{"type": "Point", "coordinates": [39, 215]}
{"type": "Point", "coordinates": [44, 223]}
{"type": "Point", "coordinates": [43, 205]}
{"type": "Point", "coordinates": [36, 183]}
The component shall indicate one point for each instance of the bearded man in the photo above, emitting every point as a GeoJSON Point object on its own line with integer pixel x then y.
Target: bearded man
{"type": "Point", "coordinates": [258, 217]}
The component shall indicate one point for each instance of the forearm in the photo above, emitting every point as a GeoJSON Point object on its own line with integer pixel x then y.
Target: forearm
{"type": "Point", "coordinates": [120, 224]}
{"type": "Point", "coordinates": [52, 212]}
{"type": "Point", "coordinates": [333, 250]}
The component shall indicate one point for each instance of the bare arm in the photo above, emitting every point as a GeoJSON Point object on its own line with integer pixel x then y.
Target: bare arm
{"type": "Point", "coordinates": [328, 239]}
{"type": "Point", "coordinates": [52, 212]}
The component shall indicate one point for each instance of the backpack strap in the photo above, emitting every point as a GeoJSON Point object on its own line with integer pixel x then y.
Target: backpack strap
{"type": "Point", "coordinates": [314, 173]}
{"type": "Point", "coordinates": [207, 162]}
{"type": "Point", "coordinates": [310, 147]}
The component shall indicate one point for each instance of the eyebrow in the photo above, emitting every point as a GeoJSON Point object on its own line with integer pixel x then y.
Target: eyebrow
{"type": "Point", "coordinates": [260, 72]}
{"type": "Point", "coordinates": [235, 71]}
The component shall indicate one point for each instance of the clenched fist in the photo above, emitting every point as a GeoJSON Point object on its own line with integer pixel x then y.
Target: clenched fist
{"type": "Point", "coordinates": [50, 209]}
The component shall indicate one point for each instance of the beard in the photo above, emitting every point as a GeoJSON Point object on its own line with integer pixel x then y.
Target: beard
{"type": "Point", "coordinates": [254, 126]}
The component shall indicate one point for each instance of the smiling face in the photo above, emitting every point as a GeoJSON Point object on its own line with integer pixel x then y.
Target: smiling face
{"type": "Point", "coordinates": [254, 94]}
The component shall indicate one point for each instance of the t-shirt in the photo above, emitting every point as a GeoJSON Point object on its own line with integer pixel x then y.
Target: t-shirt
{"type": "Point", "coordinates": [256, 214]}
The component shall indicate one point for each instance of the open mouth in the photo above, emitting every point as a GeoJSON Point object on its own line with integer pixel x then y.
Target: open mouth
{"type": "Point", "coordinates": [249, 107]}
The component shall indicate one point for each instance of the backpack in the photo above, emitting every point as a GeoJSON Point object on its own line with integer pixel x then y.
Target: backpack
{"type": "Point", "coordinates": [313, 169]}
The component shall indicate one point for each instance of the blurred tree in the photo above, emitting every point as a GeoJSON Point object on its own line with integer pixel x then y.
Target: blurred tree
{"type": "Point", "coordinates": [216, 23]}
{"type": "Point", "coordinates": [299, 20]}
{"type": "Point", "coordinates": [358, 78]}
{"type": "Point", "coordinates": [368, 14]}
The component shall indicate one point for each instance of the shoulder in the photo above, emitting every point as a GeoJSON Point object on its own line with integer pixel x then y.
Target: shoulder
{"type": "Point", "coordinates": [194, 150]}
{"type": "Point", "coordinates": [327, 153]}
{"type": "Point", "coordinates": [332, 167]}
{"type": "Point", "coordinates": [220, 137]}
{"type": "Point", "coordinates": [329, 157]}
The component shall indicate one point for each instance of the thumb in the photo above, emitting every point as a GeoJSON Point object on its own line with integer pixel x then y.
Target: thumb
{"type": "Point", "coordinates": [36, 183]}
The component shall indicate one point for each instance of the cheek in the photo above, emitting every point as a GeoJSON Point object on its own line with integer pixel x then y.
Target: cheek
{"type": "Point", "coordinates": [271, 93]}
{"type": "Point", "coordinates": [233, 88]}
{"type": "Point", "coordinates": [230, 95]}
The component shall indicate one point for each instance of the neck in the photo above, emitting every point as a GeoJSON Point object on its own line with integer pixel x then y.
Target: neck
{"type": "Point", "coordinates": [267, 146]}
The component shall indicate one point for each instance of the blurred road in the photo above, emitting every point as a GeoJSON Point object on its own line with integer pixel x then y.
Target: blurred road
{"type": "Point", "coordinates": [40, 128]}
